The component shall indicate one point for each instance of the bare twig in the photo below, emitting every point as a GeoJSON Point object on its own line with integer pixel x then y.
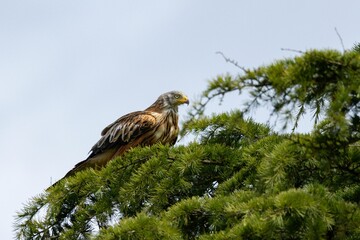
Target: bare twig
{"type": "Point", "coordinates": [354, 145]}
{"type": "Point", "coordinates": [292, 50]}
{"type": "Point", "coordinates": [341, 40]}
{"type": "Point", "coordinates": [210, 162]}
{"type": "Point", "coordinates": [232, 61]}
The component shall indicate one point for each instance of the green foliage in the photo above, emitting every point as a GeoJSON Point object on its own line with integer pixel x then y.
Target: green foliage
{"type": "Point", "coordinates": [238, 179]}
{"type": "Point", "coordinates": [322, 82]}
{"type": "Point", "coordinates": [140, 227]}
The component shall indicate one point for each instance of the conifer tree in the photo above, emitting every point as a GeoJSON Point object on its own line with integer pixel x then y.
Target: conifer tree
{"type": "Point", "coordinates": [238, 179]}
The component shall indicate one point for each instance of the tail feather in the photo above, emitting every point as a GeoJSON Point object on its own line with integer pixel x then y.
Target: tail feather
{"type": "Point", "coordinates": [95, 162]}
{"type": "Point", "coordinates": [78, 167]}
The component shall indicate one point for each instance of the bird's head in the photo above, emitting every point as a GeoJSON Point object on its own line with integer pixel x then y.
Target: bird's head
{"type": "Point", "coordinates": [170, 101]}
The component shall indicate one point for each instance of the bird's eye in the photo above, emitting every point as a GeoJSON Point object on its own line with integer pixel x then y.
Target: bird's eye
{"type": "Point", "coordinates": [177, 96]}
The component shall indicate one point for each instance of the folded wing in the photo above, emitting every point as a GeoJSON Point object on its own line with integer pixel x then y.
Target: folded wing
{"type": "Point", "coordinates": [125, 133]}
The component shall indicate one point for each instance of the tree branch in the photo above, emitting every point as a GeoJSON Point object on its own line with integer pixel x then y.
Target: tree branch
{"type": "Point", "coordinates": [232, 61]}
{"type": "Point", "coordinates": [292, 50]}
{"type": "Point", "coordinates": [340, 38]}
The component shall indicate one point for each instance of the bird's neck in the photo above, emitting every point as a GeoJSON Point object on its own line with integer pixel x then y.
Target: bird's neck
{"type": "Point", "coordinates": [160, 106]}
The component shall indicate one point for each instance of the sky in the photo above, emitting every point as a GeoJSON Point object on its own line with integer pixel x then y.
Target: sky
{"type": "Point", "coordinates": [69, 68]}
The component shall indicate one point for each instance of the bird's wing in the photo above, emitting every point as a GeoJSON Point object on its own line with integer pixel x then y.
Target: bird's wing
{"type": "Point", "coordinates": [124, 130]}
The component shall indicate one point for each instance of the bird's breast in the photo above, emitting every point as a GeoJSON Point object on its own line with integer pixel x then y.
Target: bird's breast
{"type": "Point", "coordinates": [167, 129]}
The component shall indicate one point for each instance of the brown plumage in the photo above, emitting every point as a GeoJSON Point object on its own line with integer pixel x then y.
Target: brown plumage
{"type": "Point", "coordinates": [156, 124]}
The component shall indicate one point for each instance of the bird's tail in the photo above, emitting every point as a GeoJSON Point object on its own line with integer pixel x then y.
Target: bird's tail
{"type": "Point", "coordinates": [78, 167]}
{"type": "Point", "coordinates": [95, 162]}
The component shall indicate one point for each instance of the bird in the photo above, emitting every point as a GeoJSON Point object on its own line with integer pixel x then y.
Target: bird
{"type": "Point", "coordinates": [156, 124]}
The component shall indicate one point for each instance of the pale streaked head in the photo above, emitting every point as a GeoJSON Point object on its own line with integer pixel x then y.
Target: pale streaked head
{"type": "Point", "coordinates": [169, 101]}
{"type": "Point", "coordinates": [174, 98]}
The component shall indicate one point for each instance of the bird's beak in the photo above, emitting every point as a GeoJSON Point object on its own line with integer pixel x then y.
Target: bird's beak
{"type": "Point", "coordinates": [184, 99]}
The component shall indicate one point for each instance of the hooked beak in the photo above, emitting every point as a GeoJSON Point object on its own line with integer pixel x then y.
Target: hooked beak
{"type": "Point", "coordinates": [184, 99]}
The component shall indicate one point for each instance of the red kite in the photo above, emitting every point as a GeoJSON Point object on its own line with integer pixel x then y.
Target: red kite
{"type": "Point", "coordinates": [156, 124]}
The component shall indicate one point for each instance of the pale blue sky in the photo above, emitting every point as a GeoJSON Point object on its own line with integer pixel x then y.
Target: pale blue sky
{"type": "Point", "coordinates": [69, 68]}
